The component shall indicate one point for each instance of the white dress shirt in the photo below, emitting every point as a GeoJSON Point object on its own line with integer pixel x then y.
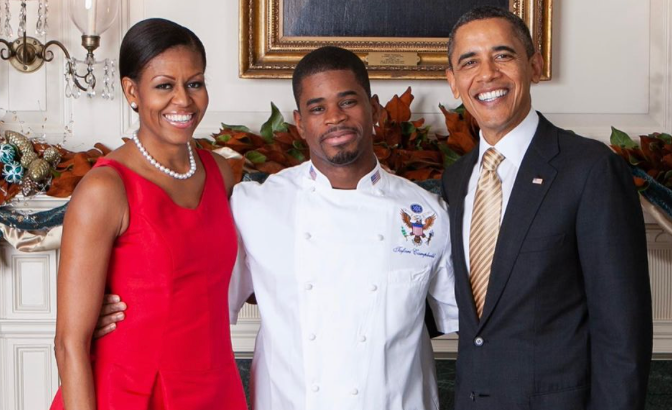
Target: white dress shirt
{"type": "Point", "coordinates": [513, 147]}
{"type": "Point", "coordinates": [341, 278]}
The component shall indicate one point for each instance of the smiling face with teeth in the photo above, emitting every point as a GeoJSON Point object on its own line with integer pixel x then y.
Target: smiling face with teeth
{"type": "Point", "coordinates": [492, 75]}
{"type": "Point", "coordinates": [171, 96]}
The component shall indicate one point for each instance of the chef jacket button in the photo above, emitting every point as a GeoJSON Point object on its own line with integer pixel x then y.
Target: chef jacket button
{"type": "Point", "coordinates": [315, 388]}
{"type": "Point", "coordinates": [381, 237]}
{"type": "Point", "coordinates": [309, 286]}
{"type": "Point", "coordinates": [362, 338]}
{"type": "Point", "coordinates": [312, 189]}
{"type": "Point", "coordinates": [307, 235]}
{"type": "Point", "coordinates": [379, 192]}
{"type": "Point", "coordinates": [354, 392]}
{"type": "Point", "coordinates": [312, 337]}
{"type": "Point", "coordinates": [373, 288]}
{"type": "Point", "coordinates": [478, 342]}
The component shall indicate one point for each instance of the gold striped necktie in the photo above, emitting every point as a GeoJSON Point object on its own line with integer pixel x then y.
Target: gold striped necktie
{"type": "Point", "coordinates": [485, 226]}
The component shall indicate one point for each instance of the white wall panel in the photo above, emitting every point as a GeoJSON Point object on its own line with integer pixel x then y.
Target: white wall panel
{"type": "Point", "coordinates": [29, 285]}
{"type": "Point", "coordinates": [33, 378]}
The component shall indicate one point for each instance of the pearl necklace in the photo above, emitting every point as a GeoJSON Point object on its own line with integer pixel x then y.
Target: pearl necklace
{"type": "Point", "coordinates": [166, 170]}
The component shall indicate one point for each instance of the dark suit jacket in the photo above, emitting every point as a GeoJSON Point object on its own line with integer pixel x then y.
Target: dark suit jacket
{"type": "Point", "coordinates": [567, 318]}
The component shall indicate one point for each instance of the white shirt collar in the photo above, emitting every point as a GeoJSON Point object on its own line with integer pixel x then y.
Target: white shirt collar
{"type": "Point", "coordinates": [368, 181]}
{"type": "Point", "coordinates": [514, 144]}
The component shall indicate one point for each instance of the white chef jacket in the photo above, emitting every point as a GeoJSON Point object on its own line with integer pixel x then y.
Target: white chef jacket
{"type": "Point", "coordinates": [341, 278]}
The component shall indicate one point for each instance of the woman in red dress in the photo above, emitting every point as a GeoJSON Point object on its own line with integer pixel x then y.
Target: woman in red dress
{"type": "Point", "coordinates": [151, 223]}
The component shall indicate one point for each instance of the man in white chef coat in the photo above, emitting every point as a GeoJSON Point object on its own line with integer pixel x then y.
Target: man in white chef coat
{"type": "Point", "coordinates": [341, 256]}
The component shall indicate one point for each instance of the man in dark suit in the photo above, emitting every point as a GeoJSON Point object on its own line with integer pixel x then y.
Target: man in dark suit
{"type": "Point", "coordinates": [548, 243]}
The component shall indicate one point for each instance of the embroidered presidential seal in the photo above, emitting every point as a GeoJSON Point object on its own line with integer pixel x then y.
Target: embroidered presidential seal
{"type": "Point", "coordinates": [419, 225]}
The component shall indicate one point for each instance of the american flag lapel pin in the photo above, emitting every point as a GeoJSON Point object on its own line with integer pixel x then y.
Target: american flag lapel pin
{"type": "Point", "coordinates": [537, 181]}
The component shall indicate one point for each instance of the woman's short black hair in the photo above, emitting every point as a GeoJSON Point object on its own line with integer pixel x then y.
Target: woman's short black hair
{"type": "Point", "coordinates": [149, 38]}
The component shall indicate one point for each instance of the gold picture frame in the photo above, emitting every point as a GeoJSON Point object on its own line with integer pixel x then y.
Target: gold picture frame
{"type": "Point", "coordinates": [266, 53]}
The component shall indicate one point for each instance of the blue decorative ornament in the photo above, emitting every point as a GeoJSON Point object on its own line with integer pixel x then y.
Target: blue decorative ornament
{"type": "Point", "coordinates": [7, 153]}
{"type": "Point", "coordinates": [12, 172]}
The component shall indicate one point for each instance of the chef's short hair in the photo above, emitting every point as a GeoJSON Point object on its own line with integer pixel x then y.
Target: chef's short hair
{"type": "Point", "coordinates": [329, 58]}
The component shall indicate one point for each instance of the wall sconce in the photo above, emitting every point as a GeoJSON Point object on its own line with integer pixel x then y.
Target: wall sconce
{"type": "Point", "coordinates": [28, 54]}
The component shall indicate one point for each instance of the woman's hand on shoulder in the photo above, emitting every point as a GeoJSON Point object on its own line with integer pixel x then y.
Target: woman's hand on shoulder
{"type": "Point", "coordinates": [227, 172]}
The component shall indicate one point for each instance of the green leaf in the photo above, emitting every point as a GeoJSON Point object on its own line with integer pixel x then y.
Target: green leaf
{"type": "Point", "coordinates": [275, 123]}
{"type": "Point", "coordinates": [297, 154]}
{"type": "Point", "coordinates": [236, 127]}
{"type": "Point", "coordinates": [407, 128]}
{"type": "Point", "coordinates": [666, 138]}
{"type": "Point", "coordinates": [668, 175]}
{"type": "Point", "coordinates": [223, 138]}
{"type": "Point", "coordinates": [55, 173]}
{"type": "Point", "coordinates": [449, 156]}
{"type": "Point", "coordinates": [255, 157]}
{"type": "Point", "coordinates": [298, 144]}
{"type": "Point", "coordinates": [633, 161]}
{"type": "Point", "coordinates": [460, 110]}
{"type": "Point", "coordinates": [621, 139]}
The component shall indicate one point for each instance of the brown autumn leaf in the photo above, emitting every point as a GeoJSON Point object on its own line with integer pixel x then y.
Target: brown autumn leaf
{"type": "Point", "coordinates": [381, 151]}
{"type": "Point", "coordinates": [639, 182]}
{"type": "Point", "coordinates": [399, 108]}
{"type": "Point", "coordinates": [417, 174]}
{"type": "Point", "coordinates": [237, 167]}
{"type": "Point", "coordinates": [8, 191]}
{"type": "Point", "coordinates": [81, 164]}
{"type": "Point", "coordinates": [651, 148]}
{"type": "Point", "coordinates": [62, 186]}
{"type": "Point", "coordinates": [667, 161]}
{"type": "Point", "coordinates": [269, 167]}
{"type": "Point", "coordinates": [460, 138]}
{"type": "Point", "coordinates": [283, 138]}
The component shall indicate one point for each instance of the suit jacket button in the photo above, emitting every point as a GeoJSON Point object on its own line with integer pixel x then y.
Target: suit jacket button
{"type": "Point", "coordinates": [478, 342]}
{"type": "Point", "coordinates": [472, 396]}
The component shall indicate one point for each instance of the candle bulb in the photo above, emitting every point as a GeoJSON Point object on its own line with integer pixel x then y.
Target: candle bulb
{"type": "Point", "coordinates": [92, 6]}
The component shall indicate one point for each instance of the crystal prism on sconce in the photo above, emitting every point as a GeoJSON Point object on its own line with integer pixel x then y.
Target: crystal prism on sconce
{"type": "Point", "coordinates": [27, 54]}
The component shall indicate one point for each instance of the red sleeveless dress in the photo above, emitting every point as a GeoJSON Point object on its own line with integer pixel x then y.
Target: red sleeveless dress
{"type": "Point", "coordinates": [172, 268]}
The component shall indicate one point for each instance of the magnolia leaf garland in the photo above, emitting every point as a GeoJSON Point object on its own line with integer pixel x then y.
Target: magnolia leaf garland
{"type": "Point", "coordinates": [403, 146]}
{"type": "Point", "coordinates": [30, 167]}
{"type": "Point", "coordinates": [653, 155]}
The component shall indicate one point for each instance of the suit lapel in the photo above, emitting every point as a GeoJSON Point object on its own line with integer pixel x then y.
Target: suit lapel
{"type": "Point", "coordinates": [457, 209]}
{"type": "Point", "coordinates": [525, 200]}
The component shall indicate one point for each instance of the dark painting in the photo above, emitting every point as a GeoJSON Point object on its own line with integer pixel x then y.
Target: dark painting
{"type": "Point", "coordinates": [376, 18]}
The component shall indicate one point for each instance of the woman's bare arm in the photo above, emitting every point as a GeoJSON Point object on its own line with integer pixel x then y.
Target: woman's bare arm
{"type": "Point", "coordinates": [96, 215]}
{"type": "Point", "coordinates": [227, 172]}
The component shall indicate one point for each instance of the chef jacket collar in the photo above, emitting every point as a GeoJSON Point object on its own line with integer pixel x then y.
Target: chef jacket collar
{"type": "Point", "coordinates": [370, 181]}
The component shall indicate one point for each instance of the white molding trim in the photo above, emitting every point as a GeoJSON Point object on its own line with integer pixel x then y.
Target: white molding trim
{"type": "Point", "coordinates": [662, 342]}
{"type": "Point", "coordinates": [4, 376]}
{"type": "Point", "coordinates": [27, 329]}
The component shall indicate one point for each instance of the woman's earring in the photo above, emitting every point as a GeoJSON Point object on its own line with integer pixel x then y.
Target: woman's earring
{"type": "Point", "coordinates": [134, 105]}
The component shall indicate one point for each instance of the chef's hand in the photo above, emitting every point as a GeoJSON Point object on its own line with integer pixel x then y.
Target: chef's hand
{"type": "Point", "coordinates": [111, 313]}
